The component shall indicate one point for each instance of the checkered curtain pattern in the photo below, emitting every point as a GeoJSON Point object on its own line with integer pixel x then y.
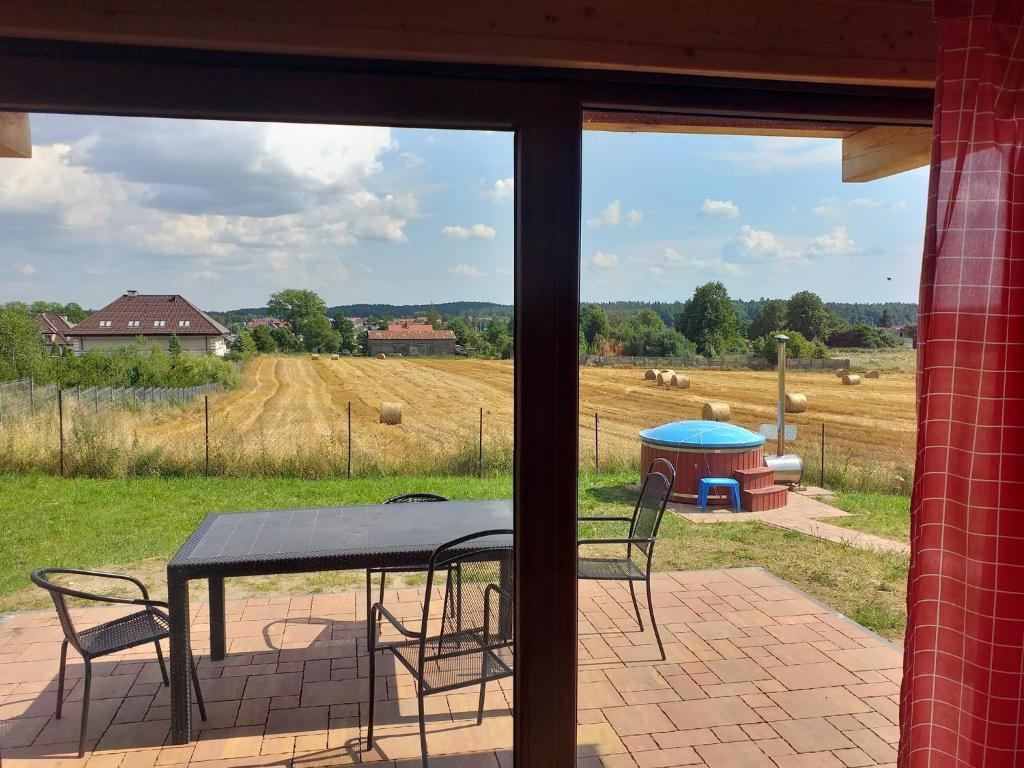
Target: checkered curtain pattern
{"type": "Point", "coordinates": [964, 664]}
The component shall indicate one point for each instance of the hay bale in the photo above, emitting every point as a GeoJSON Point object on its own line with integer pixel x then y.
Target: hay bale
{"type": "Point", "coordinates": [650, 374]}
{"type": "Point", "coordinates": [841, 372]}
{"type": "Point", "coordinates": [390, 413]}
{"type": "Point", "coordinates": [871, 375]}
{"type": "Point", "coordinates": [796, 402]}
{"type": "Point", "coordinates": [314, 356]}
{"type": "Point", "coordinates": [850, 379]}
{"type": "Point", "coordinates": [665, 377]}
{"type": "Point", "coordinates": [381, 356]}
{"type": "Point", "coordinates": [334, 357]}
{"type": "Point", "coordinates": [680, 381]}
{"type": "Point", "coordinates": [716, 412]}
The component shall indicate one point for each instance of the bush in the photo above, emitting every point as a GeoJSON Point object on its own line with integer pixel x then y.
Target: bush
{"type": "Point", "coordinates": [797, 346]}
{"type": "Point", "coordinates": [862, 335]}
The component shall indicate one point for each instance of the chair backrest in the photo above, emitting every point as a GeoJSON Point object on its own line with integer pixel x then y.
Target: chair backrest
{"type": "Point", "coordinates": [41, 578]}
{"type": "Point", "coordinates": [479, 594]}
{"type": "Point", "coordinates": [650, 505]}
{"type": "Point", "coordinates": [406, 498]}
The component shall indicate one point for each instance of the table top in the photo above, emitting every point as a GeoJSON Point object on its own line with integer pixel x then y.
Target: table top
{"type": "Point", "coordinates": [333, 537]}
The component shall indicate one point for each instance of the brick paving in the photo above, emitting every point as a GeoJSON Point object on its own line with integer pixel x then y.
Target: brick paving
{"type": "Point", "coordinates": [803, 513]}
{"type": "Point", "coordinates": [758, 675]}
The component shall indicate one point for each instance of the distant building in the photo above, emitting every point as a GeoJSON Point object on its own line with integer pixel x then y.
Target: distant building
{"type": "Point", "coordinates": [358, 322]}
{"type": "Point", "coordinates": [407, 337]}
{"type": "Point", "coordinates": [908, 335]}
{"type": "Point", "coordinates": [269, 322]}
{"type": "Point", "coordinates": [153, 317]}
{"type": "Point", "coordinates": [54, 328]}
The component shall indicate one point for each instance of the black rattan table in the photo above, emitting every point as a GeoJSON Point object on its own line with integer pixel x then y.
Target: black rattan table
{"type": "Point", "coordinates": [302, 541]}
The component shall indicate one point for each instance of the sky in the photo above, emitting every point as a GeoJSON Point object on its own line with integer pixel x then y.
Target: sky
{"type": "Point", "coordinates": [227, 213]}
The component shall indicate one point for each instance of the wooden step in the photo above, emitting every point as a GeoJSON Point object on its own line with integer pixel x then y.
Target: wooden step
{"type": "Point", "coordinates": [763, 499]}
{"type": "Point", "coordinates": [758, 477]}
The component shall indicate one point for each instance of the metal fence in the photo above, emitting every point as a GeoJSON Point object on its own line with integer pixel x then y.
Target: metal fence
{"type": "Point", "coordinates": [23, 398]}
{"type": "Point", "coordinates": [751, 362]}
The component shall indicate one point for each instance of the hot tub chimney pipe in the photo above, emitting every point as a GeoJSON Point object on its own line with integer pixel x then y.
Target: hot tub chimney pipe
{"type": "Point", "coordinates": [781, 438]}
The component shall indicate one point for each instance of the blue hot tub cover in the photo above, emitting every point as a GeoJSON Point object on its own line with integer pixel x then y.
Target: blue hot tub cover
{"type": "Point", "coordinates": [701, 434]}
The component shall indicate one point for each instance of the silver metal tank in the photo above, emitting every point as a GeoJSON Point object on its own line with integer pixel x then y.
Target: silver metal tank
{"type": "Point", "coordinates": [789, 468]}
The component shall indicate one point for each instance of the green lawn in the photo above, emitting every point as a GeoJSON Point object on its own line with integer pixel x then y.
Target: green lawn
{"type": "Point", "coordinates": [878, 513]}
{"type": "Point", "coordinates": [137, 524]}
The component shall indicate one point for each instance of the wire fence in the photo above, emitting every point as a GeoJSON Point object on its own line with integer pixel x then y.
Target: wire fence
{"type": "Point", "coordinates": [751, 362]}
{"type": "Point", "coordinates": [23, 398]}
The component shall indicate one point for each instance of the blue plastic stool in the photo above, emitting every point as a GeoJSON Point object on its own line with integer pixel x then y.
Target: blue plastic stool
{"type": "Point", "coordinates": [707, 483]}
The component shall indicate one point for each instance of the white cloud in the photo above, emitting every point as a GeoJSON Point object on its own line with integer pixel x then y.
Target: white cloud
{"type": "Point", "coordinates": [26, 269]}
{"type": "Point", "coordinates": [757, 245]}
{"type": "Point", "coordinates": [724, 209]}
{"type": "Point", "coordinates": [828, 208]}
{"type": "Point", "coordinates": [329, 154]}
{"type": "Point", "coordinates": [467, 270]}
{"type": "Point", "coordinates": [501, 191]}
{"type": "Point", "coordinates": [610, 216]}
{"type": "Point", "coordinates": [773, 153]}
{"type": "Point", "coordinates": [605, 260]}
{"type": "Point", "coordinates": [477, 232]}
{"type": "Point", "coordinates": [716, 265]}
{"type": "Point", "coordinates": [835, 243]}
{"type": "Point", "coordinates": [655, 271]}
{"type": "Point", "coordinates": [634, 217]}
{"type": "Point", "coordinates": [867, 202]}
{"type": "Point", "coordinates": [410, 160]}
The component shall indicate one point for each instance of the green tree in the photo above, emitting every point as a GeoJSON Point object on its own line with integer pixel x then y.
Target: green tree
{"type": "Point", "coordinates": [498, 338]}
{"type": "Point", "coordinates": [74, 313]}
{"type": "Point", "coordinates": [808, 315]}
{"type": "Point", "coordinates": [244, 344]}
{"type": "Point", "coordinates": [885, 321]}
{"type": "Point", "coordinates": [593, 323]}
{"type": "Point", "coordinates": [797, 346]}
{"type": "Point", "coordinates": [709, 320]}
{"type": "Point", "coordinates": [771, 317]}
{"type": "Point", "coordinates": [285, 340]}
{"type": "Point", "coordinates": [174, 346]}
{"type": "Point", "coordinates": [21, 346]}
{"type": "Point", "coordinates": [433, 317]}
{"type": "Point", "coordinates": [263, 340]}
{"type": "Point", "coordinates": [464, 332]}
{"type": "Point", "coordinates": [306, 312]}
{"type": "Point", "coordinates": [346, 332]}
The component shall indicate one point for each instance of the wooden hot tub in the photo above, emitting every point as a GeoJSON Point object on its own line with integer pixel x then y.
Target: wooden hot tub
{"type": "Point", "coordinates": [700, 449]}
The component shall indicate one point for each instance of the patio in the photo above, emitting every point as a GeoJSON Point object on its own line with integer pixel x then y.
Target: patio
{"type": "Point", "coordinates": [758, 674]}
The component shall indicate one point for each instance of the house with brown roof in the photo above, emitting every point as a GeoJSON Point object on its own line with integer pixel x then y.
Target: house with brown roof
{"type": "Point", "coordinates": [54, 328]}
{"type": "Point", "coordinates": [269, 322]}
{"type": "Point", "coordinates": [155, 318]}
{"type": "Point", "coordinates": [407, 337]}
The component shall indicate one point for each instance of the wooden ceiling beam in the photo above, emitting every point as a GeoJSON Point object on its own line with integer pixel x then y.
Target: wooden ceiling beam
{"type": "Point", "coordinates": [874, 153]}
{"type": "Point", "coordinates": [15, 135]}
{"type": "Point", "coordinates": [641, 122]}
{"type": "Point", "coordinates": [870, 42]}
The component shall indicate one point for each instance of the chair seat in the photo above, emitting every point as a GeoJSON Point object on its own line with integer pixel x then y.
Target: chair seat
{"type": "Point", "coordinates": [398, 568]}
{"type": "Point", "coordinates": [463, 660]}
{"type": "Point", "coordinates": [610, 569]}
{"type": "Point", "coordinates": [124, 632]}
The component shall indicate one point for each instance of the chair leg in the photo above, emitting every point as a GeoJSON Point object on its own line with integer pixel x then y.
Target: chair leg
{"type": "Point", "coordinates": [85, 707]}
{"type": "Point", "coordinates": [373, 688]}
{"type": "Point", "coordinates": [199, 691]}
{"type": "Point", "coordinates": [60, 677]}
{"type": "Point", "coordinates": [423, 730]}
{"type": "Point", "coordinates": [369, 604]}
{"type": "Point", "coordinates": [380, 599]}
{"type": "Point", "coordinates": [650, 607]}
{"type": "Point", "coordinates": [480, 708]}
{"type": "Point", "coordinates": [160, 659]}
{"type": "Point", "coordinates": [636, 606]}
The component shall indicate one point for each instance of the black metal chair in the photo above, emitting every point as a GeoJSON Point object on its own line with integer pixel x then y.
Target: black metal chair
{"type": "Point", "coordinates": [405, 498]}
{"type": "Point", "coordinates": [149, 625]}
{"type": "Point", "coordinates": [643, 534]}
{"type": "Point", "coordinates": [475, 643]}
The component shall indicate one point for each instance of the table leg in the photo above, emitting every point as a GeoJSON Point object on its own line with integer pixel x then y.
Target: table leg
{"type": "Point", "coordinates": [506, 611]}
{"type": "Point", "coordinates": [181, 681]}
{"type": "Point", "coordinates": [218, 644]}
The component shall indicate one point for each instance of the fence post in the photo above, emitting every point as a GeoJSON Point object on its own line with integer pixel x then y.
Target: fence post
{"type": "Point", "coordinates": [60, 426]}
{"type": "Point", "coordinates": [597, 452]}
{"type": "Point", "coordinates": [348, 454]}
{"type": "Point", "coordinates": [96, 398]}
{"type": "Point", "coordinates": [480, 452]}
{"type": "Point", "coordinates": [32, 394]}
{"type": "Point", "coordinates": [821, 477]}
{"type": "Point", "coordinates": [206, 408]}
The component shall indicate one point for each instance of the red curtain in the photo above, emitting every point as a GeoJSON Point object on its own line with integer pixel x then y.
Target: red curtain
{"type": "Point", "coordinates": [964, 664]}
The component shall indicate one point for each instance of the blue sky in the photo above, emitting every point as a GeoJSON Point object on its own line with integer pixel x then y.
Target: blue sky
{"type": "Point", "coordinates": [226, 213]}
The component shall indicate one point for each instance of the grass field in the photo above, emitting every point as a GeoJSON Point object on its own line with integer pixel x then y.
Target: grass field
{"type": "Point", "coordinates": [878, 513]}
{"type": "Point", "coordinates": [290, 418]}
{"type": "Point", "coordinates": [136, 524]}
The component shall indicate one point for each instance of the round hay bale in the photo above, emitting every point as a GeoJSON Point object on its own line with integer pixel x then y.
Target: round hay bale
{"type": "Point", "coordinates": [716, 412]}
{"type": "Point", "coordinates": [680, 381]}
{"type": "Point", "coordinates": [850, 379]}
{"type": "Point", "coordinates": [390, 413]}
{"type": "Point", "coordinates": [871, 375]}
{"type": "Point", "coordinates": [841, 372]}
{"type": "Point", "coordinates": [665, 377]}
{"type": "Point", "coordinates": [334, 357]}
{"type": "Point", "coordinates": [314, 356]}
{"type": "Point", "coordinates": [651, 374]}
{"type": "Point", "coordinates": [381, 356]}
{"type": "Point", "coordinates": [796, 402]}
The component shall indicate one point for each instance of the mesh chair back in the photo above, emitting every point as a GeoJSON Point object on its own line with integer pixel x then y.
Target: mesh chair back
{"type": "Point", "coordinates": [650, 508]}
{"type": "Point", "coordinates": [406, 498]}
{"type": "Point", "coordinates": [479, 596]}
{"type": "Point", "coordinates": [41, 578]}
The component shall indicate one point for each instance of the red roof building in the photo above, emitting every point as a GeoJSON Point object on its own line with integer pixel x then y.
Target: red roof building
{"type": "Point", "coordinates": [406, 337]}
{"type": "Point", "coordinates": [54, 329]}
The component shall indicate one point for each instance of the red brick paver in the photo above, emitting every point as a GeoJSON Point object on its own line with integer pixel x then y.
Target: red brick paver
{"type": "Point", "coordinates": [757, 675]}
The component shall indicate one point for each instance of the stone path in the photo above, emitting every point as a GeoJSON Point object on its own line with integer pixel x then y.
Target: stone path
{"type": "Point", "coordinates": [801, 514]}
{"type": "Point", "coordinates": [758, 675]}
